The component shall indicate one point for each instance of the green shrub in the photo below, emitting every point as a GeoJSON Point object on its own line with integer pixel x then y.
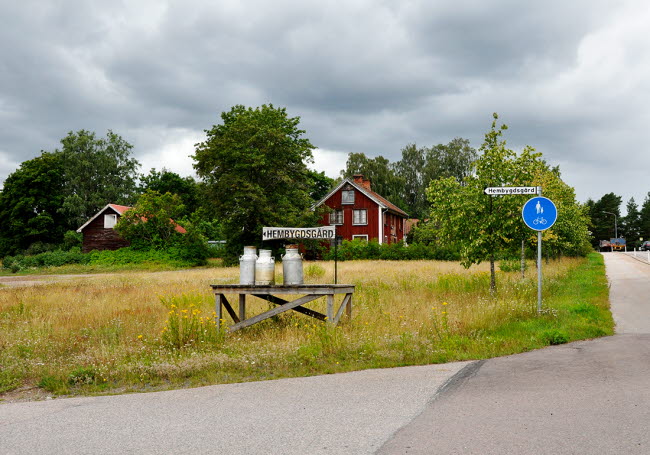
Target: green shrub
{"type": "Point", "coordinates": [82, 376]}
{"type": "Point", "coordinates": [360, 249]}
{"type": "Point", "coordinates": [555, 337]}
{"type": "Point", "coordinates": [53, 384]}
{"type": "Point", "coordinates": [55, 258]}
{"type": "Point", "coordinates": [72, 239]}
{"type": "Point", "coordinates": [511, 265]}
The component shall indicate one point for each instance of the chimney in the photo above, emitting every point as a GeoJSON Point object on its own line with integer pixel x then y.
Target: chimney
{"type": "Point", "coordinates": [360, 180]}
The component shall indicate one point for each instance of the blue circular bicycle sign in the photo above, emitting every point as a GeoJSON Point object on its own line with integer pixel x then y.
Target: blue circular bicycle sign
{"type": "Point", "coordinates": [539, 213]}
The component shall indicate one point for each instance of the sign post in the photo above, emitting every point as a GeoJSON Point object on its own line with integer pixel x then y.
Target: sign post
{"type": "Point", "coordinates": [318, 233]}
{"type": "Point", "coordinates": [315, 233]}
{"type": "Point", "coordinates": [539, 214]}
{"type": "Point", "coordinates": [508, 190]}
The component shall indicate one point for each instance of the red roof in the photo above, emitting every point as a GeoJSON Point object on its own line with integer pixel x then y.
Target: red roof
{"type": "Point", "coordinates": [120, 209]}
{"type": "Point", "coordinates": [387, 203]}
{"type": "Point", "coordinates": [382, 201]}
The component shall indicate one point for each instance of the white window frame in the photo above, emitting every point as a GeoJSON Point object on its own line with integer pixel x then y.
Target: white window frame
{"type": "Point", "coordinates": [342, 218]}
{"type": "Point", "coordinates": [365, 221]}
{"type": "Point", "coordinates": [349, 200]}
{"type": "Point", "coordinates": [110, 220]}
{"type": "Point", "coordinates": [360, 236]}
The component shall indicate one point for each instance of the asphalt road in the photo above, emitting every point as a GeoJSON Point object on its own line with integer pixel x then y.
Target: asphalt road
{"type": "Point", "coordinates": [588, 397]}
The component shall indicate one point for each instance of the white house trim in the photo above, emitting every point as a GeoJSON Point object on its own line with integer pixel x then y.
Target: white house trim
{"type": "Point", "coordinates": [355, 185]}
{"type": "Point", "coordinates": [112, 206]}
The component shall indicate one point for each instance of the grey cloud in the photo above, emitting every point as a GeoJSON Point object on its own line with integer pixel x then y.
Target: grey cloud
{"type": "Point", "coordinates": [365, 76]}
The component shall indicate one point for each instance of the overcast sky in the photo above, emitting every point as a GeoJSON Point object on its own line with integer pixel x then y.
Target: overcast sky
{"type": "Point", "coordinates": [570, 78]}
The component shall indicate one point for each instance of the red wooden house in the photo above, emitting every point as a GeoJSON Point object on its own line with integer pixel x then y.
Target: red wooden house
{"type": "Point", "coordinates": [98, 233]}
{"type": "Point", "coordinates": [360, 213]}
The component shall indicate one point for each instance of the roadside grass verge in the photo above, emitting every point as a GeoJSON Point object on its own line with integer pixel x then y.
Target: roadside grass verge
{"type": "Point", "coordinates": [142, 331]}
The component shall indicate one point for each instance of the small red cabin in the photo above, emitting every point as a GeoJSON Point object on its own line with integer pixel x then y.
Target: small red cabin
{"type": "Point", "coordinates": [360, 213]}
{"type": "Point", "coordinates": [98, 233]}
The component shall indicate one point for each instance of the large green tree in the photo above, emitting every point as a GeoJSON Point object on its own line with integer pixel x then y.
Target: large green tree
{"type": "Point", "coordinates": [320, 185]}
{"type": "Point", "coordinates": [166, 181]}
{"type": "Point", "coordinates": [454, 159]}
{"type": "Point", "coordinates": [405, 182]}
{"type": "Point", "coordinates": [152, 224]}
{"type": "Point", "coordinates": [631, 223]}
{"type": "Point", "coordinates": [605, 216]}
{"type": "Point", "coordinates": [410, 170]}
{"type": "Point", "coordinates": [254, 165]}
{"type": "Point", "coordinates": [97, 171]}
{"type": "Point", "coordinates": [644, 218]}
{"type": "Point", "coordinates": [29, 202]}
{"type": "Point", "coordinates": [487, 227]}
{"type": "Point", "coordinates": [381, 173]}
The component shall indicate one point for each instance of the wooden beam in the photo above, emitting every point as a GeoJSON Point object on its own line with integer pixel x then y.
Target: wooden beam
{"type": "Point", "coordinates": [218, 309]}
{"type": "Point", "coordinates": [330, 308]}
{"type": "Point", "coordinates": [299, 309]}
{"type": "Point", "coordinates": [322, 289]}
{"type": "Point", "coordinates": [273, 312]}
{"type": "Point", "coordinates": [231, 312]}
{"type": "Point", "coordinates": [347, 300]}
{"type": "Point", "coordinates": [242, 307]}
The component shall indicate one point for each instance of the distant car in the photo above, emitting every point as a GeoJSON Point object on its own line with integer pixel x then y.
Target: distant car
{"type": "Point", "coordinates": [645, 246]}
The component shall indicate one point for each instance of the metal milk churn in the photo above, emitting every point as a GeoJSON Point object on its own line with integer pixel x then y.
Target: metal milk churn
{"type": "Point", "coordinates": [292, 266]}
{"type": "Point", "coordinates": [265, 269]}
{"type": "Point", "coordinates": [247, 265]}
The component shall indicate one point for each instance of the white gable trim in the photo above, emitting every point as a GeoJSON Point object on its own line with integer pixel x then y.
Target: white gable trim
{"type": "Point", "coordinates": [98, 214]}
{"type": "Point", "coordinates": [355, 185]}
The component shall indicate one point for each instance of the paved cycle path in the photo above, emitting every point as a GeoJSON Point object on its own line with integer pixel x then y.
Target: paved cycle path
{"type": "Point", "coordinates": [588, 397]}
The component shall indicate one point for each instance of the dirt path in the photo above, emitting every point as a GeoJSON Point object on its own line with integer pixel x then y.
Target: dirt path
{"type": "Point", "coordinates": [35, 280]}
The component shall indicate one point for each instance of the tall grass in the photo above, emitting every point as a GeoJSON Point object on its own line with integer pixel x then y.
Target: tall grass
{"type": "Point", "coordinates": [128, 332]}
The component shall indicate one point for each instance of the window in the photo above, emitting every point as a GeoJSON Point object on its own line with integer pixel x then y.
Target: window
{"type": "Point", "coordinates": [360, 216]}
{"type": "Point", "coordinates": [110, 221]}
{"type": "Point", "coordinates": [336, 217]}
{"type": "Point", "coordinates": [347, 197]}
{"type": "Point", "coordinates": [362, 237]}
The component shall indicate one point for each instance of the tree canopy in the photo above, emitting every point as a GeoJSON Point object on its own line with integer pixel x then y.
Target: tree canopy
{"type": "Point", "coordinates": [29, 205]}
{"type": "Point", "coordinates": [254, 166]}
{"type": "Point", "coordinates": [644, 223]}
{"type": "Point", "coordinates": [605, 214]}
{"type": "Point", "coordinates": [489, 227]}
{"type": "Point", "coordinates": [166, 181]}
{"type": "Point", "coordinates": [96, 172]}
{"type": "Point", "coordinates": [404, 182]}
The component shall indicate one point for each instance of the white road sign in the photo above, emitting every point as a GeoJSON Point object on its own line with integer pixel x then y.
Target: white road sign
{"type": "Point", "coordinates": [321, 232]}
{"type": "Point", "coordinates": [502, 190]}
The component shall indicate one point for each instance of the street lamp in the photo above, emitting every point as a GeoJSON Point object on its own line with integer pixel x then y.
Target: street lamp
{"type": "Point", "coordinates": [615, 223]}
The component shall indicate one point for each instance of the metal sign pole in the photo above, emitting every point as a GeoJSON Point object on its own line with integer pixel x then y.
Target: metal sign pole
{"type": "Point", "coordinates": [539, 271]}
{"type": "Point", "coordinates": [539, 263]}
{"type": "Point", "coordinates": [336, 260]}
{"type": "Point", "coordinates": [336, 257]}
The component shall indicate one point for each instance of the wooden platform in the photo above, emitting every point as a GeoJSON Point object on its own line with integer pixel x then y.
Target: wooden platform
{"type": "Point", "coordinates": [309, 292]}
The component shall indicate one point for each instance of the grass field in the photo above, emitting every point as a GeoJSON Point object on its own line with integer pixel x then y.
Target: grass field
{"type": "Point", "coordinates": [141, 331]}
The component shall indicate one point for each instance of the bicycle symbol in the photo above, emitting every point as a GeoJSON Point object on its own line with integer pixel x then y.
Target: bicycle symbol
{"type": "Point", "coordinates": [539, 220]}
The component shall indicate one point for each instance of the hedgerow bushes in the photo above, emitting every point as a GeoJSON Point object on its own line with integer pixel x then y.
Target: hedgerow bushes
{"type": "Point", "coordinates": [361, 249]}
{"type": "Point", "coordinates": [173, 256]}
{"type": "Point", "coordinates": [55, 258]}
